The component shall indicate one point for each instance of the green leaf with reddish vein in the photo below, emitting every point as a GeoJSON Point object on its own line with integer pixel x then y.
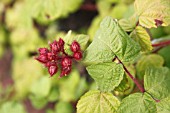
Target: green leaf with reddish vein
{"type": "Point", "coordinates": [157, 82]}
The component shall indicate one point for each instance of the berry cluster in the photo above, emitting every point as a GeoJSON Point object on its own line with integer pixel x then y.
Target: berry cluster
{"type": "Point", "coordinates": [57, 56]}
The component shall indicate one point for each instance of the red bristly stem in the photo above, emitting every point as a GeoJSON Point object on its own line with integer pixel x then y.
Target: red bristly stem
{"type": "Point", "coordinates": [141, 88]}
{"type": "Point", "coordinates": [165, 43]}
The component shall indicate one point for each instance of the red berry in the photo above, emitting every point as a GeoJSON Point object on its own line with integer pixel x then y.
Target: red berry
{"type": "Point", "coordinates": [66, 62]}
{"type": "Point", "coordinates": [52, 70]}
{"type": "Point", "coordinates": [43, 51]}
{"type": "Point", "coordinates": [48, 64]}
{"type": "Point", "coordinates": [42, 58]}
{"type": "Point", "coordinates": [55, 47]}
{"type": "Point", "coordinates": [51, 56]}
{"type": "Point", "coordinates": [77, 55]}
{"type": "Point", "coordinates": [75, 46]}
{"type": "Point", "coordinates": [61, 42]}
{"type": "Point", "coordinates": [65, 71]}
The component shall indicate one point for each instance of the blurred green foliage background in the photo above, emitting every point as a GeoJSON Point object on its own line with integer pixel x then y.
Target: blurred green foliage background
{"type": "Point", "coordinates": [25, 25]}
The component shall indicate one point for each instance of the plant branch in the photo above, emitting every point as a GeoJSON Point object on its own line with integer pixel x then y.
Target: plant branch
{"type": "Point", "coordinates": [160, 44]}
{"type": "Point", "coordinates": [88, 7]}
{"type": "Point", "coordinates": [141, 88]}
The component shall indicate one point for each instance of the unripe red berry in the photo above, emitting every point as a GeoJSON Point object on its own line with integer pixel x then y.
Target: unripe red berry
{"type": "Point", "coordinates": [42, 58]}
{"type": "Point", "coordinates": [61, 42]}
{"type": "Point", "coordinates": [75, 46]}
{"type": "Point", "coordinates": [66, 62]}
{"type": "Point", "coordinates": [50, 56]}
{"type": "Point", "coordinates": [65, 71]}
{"type": "Point", "coordinates": [50, 63]}
{"type": "Point", "coordinates": [77, 55]}
{"type": "Point", "coordinates": [52, 70]}
{"type": "Point", "coordinates": [43, 51]}
{"type": "Point", "coordinates": [55, 47]}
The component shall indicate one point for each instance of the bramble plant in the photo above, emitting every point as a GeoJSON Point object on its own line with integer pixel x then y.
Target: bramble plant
{"type": "Point", "coordinates": [119, 50]}
{"type": "Point", "coordinates": [111, 60]}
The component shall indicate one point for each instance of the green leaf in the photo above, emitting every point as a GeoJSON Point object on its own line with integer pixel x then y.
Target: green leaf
{"type": "Point", "coordinates": [157, 82]}
{"type": "Point", "coordinates": [25, 72]}
{"type": "Point", "coordinates": [128, 24]}
{"type": "Point", "coordinates": [68, 86]}
{"type": "Point", "coordinates": [50, 10]}
{"type": "Point", "coordinates": [137, 103]}
{"type": "Point", "coordinates": [149, 10]}
{"type": "Point", "coordinates": [19, 16]}
{"type": "Point", "coordinates": [95, 101]}
{"type": "Point", "coordinates": [12, 107]}
{"type": "Point", "coordinates": [147, 61]}
{"type": "Point", "coordinates": [38, 102]}
{"type": "Point", "coordinates": [164, 105]}
{"type": "Point", "coordinates": [53, 95]}
{"type": "Point", "coordinates": [41, 87]}
{"type": "Point", "coordinates": [111, 39]}
{"type": "Point", "coordinates": [63, 107]}
{"type": "Point", "coordinates": [141, 36]}
{"type": "Point", "coordinates": [107, 75]}
{"type": "Point", "coordinates": [126, 86]}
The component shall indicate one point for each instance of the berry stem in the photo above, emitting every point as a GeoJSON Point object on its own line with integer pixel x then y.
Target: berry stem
{"type": "Point", "coordinates": [141, 88]}
{"type": "Point", "coordinates": [162, 44]}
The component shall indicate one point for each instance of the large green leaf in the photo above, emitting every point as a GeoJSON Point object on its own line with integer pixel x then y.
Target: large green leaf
{"type": "Point", "coordinates": [164, 105]}
{"type": "Point", "coordinates": [107, 75]}
{"type": "Point", "coordinates": [157, 82]}
{"type": "Point", "coordinates": [146, 61]}
{"type": "Point", "coordinates": [95, 101]}
{"type": "Point", "coordinates": [137, 103]}
{"type": "Point", "coordinates": [151, 10]}
{"type": "Point", "coordinates": [111, 39]}
{"type": "Point", "coordinates": [141, 36]}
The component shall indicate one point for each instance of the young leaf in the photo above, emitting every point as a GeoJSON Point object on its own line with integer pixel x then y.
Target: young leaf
{"type": "Point", "coordinates": [157, 82]}
{"type": "Point", "coordinates": [137, 103]}
{"type": "Point", "coordinates": [81, 39]}
{"type": "Point", "coordinates": [128, 24]}
{"type": "Point", "coordinates": [153, 13]}
{"type": "Point", "coordinates": [95, 101]}
{"type": "Point", "coordinates": [141, 36]}
{"type": "Point", "coordinates": [164, 105]}
{"type": "Point", "coordinates": [107, 75]}
{"type": "Point", "coordinates": [126, 86]}
{"type": "Point", "coordinates": [111, 39]}
{"type": "Point", "coordinates": [146, 61]}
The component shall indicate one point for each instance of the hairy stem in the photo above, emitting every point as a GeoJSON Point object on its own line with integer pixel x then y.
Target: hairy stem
{"type": "Point", "coordinates": [160, 44]}
{"type": "Point", "coordinates": [141, 88]}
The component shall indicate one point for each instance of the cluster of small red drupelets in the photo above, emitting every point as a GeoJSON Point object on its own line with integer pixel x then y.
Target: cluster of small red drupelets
{"type": "Point", "coordinates": [57, 56]}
